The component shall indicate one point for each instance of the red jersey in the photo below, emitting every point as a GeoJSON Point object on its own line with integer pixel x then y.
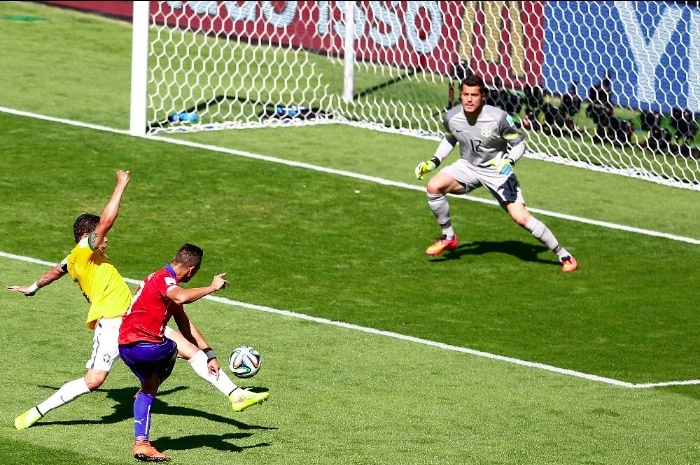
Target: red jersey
{"type": "Point", "coordinates": [150, 309]}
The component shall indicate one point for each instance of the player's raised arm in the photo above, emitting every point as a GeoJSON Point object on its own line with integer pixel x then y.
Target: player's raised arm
{"type": "Point", "coordinates": [111, 210]}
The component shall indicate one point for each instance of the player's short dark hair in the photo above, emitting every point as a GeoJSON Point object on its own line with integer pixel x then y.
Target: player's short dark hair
{"type": "Point", "coordinates": [189, 255]}
{"type": "Point", "coordinates": [473, 81]}
{"type": "Point", "coordinates": [85, 224]}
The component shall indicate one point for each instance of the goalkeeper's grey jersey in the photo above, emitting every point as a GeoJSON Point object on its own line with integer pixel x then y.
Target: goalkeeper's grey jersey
{"type": "Point", "coordinates": [484, 138]}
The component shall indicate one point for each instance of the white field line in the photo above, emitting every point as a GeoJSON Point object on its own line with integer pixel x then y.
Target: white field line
{"type": "Point", "coordinates": [350, 174]}
{"type": "Point", "coordinates": [440, 345]}
{"type": "Point", "coordinates": [385, 182]}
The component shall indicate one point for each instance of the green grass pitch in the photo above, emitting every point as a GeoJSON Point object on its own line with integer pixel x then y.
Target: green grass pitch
{"type": "Point", "coordinates": [374, 353]}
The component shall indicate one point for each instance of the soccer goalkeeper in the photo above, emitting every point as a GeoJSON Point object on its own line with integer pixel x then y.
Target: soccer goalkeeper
{"type": "Point", "coordinates": [489, 146]}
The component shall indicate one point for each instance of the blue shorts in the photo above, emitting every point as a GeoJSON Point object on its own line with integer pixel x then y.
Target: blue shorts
{"type": "Point", "coordinates": [146, 358]}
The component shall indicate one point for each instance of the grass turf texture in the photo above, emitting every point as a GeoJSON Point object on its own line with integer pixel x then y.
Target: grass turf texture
{"type": "Point", "coordinates": [304, 241]}
{"type": "Point", "coordinates": [310, 244]}
{"type": "Point", "coordinates": [340, 397]}
{"type": "Point", "coordinates": [307, 242]}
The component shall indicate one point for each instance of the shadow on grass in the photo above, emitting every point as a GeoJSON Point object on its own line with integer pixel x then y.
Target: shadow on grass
{"type": "Point", "coordinates": [518, 249]}
{"type": "Point", "coordinates": [197, 441]}
{"type": "Point", "coordinates": [124, 409]}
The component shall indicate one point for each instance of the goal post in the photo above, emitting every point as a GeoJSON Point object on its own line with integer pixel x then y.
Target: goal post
{"type": "Point", "coordinates": [611, 86]}
{"type": "Point", "coordinates": [139, 68]}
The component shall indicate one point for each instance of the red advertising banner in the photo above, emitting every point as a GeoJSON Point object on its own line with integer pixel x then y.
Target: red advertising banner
{"type": "Point", "coordinates": [405, 34]}
{"type": "Point", "coordinates": [493, 38]}
{"type": "Point", "coordinates": [117, 9]}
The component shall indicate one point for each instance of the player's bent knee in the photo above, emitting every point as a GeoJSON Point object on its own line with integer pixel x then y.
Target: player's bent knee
{"type": "Point", "coordinates": [186, 350]}
{"type": "Point", "coordinates": [435, 186]}
{"type": "Point", "coordinates": [432, 189]}
{"type": "Point", "coordinates": [93, 380]}
{"type": "Point", "coordinates": [518, 213]}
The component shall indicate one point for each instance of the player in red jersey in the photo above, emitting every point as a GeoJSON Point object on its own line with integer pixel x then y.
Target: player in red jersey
{"type": "Point", "coordinates": [110, 297]}
{"type": "Point", "coordinates": [147, 351]}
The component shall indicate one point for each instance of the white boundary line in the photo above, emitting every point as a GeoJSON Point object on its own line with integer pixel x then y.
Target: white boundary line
{"type": "Point", "coordinates": [403, 337]}
{"type": "Point", "coordinates": [350, 174]}
{"type": "Point", "coordinates": [387, 183]}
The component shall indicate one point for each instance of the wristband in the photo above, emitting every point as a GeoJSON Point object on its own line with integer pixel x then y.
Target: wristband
{"type": "Point", "coordinates": [210, 353]}
{"type": "Point", "coordinates": [33, 288]}
{"type": "Point", "coordinates": [436, 161]}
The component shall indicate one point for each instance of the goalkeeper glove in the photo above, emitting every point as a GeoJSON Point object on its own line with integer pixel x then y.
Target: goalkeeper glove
{"type": "Point", "coordinates": [426, 166]}
{"type": "Point", "coordinates": [504, 166]}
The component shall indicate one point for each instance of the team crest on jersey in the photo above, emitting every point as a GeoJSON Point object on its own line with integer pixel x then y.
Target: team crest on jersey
{"type": "Point", "coordinates": [486, 131]}
{"type": "Point", "coordinates": [510, 120]}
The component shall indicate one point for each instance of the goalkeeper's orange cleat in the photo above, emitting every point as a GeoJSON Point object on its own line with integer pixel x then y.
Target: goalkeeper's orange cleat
{"type": "Point", "coordinates": [569, 264]}
{"type": "Point", "coordinates": [442, 244]}
{"type": "Point", "coordinates": [143, 451]}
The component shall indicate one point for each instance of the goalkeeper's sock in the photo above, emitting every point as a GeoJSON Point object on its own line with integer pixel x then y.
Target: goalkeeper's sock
{"type": "Point", "coordinates": [542, 233]}
{"type": "Point", "coordinates": [441, 209]}
{"type": "Point", "coordinates": [562, 253]}
{"type": "Point", "coordinates": [68, 392]}
{"type": "Point", "coordinates": [199, 365]}
{"type": "Point", "coordinates": [448, 232]}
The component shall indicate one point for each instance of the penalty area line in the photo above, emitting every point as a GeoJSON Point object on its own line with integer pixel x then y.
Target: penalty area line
{"type": "Point", "coordinates": [440, 345]}
{"type": "Point", "coordinates": [403, 337]}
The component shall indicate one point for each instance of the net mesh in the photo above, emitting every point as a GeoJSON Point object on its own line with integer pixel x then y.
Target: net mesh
{"type": "Point", "coordinates": [611, 86]}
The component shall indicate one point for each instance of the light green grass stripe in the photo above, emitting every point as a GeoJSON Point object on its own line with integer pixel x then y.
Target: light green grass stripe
{"type": "Point", "coordinates": [377, 180]}
{"type": "Point", "coordinates": [403, 337]}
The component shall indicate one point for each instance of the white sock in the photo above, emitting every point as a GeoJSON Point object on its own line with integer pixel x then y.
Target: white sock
{"type": "Point", "coordinates": [199, 365]}
{"type": "Point", "coordinates": [65, 394]}
{"type": "Point", "coordinates": [441, 209]}
{"type": "Point", "coordinates": [448, 232]}
{"type": "Point", "coordinates": [563, 253]}
{"type": "Point", "coordinates": [543, 234]}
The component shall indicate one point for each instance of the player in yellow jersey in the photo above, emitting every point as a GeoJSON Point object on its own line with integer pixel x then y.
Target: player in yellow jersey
{"type": "Point", "coordinates": [109, 298]}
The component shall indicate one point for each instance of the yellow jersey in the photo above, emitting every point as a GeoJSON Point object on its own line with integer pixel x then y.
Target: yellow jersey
{"type": "Point", "coordinates": [100, 282]}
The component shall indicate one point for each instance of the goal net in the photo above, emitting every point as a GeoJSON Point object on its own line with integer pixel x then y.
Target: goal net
{"type": "Point", "coordinates": [612, 86]}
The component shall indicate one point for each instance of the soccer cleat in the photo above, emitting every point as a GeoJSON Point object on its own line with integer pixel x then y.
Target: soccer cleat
{"type": "Point", "coordinates": [569, 264]}
{"type": "Point", "coordinates": [27, 419]}
{"type": "Point", "coordinates": [241, 399]}
{"type": "Point", "coordinates": [143, 451]}
{"type": "Point", "coordinates": [442, 244]}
